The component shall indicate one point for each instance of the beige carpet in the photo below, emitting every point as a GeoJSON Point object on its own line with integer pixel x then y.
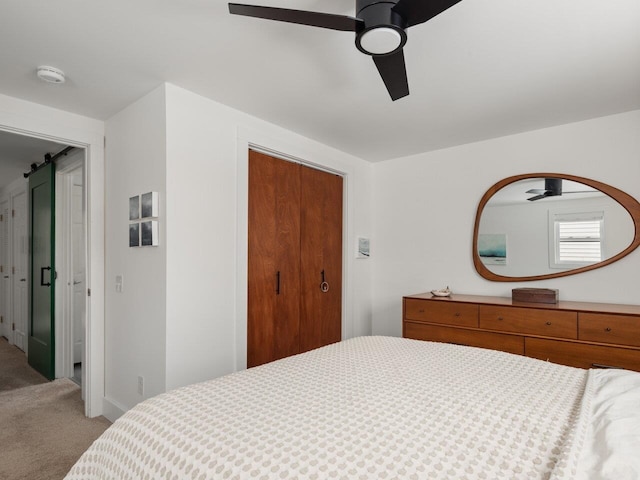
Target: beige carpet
{"type": "Point", "coordinates": [15, 372]}
{"type": "Point", "coordinates": [43, 431]}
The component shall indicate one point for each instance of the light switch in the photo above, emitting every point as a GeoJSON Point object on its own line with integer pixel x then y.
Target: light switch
{"type": "Point", "coordinates": [119, 283]}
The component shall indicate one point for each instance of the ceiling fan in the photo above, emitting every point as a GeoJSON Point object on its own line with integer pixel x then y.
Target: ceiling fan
{"type": "Point", "coordinates": [379, 27]}
{"type": "Point", "coordinates": [552, 188]}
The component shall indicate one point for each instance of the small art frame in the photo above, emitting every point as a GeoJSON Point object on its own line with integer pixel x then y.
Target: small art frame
{"type": "Point", "coordinates": [134, 234]}
{"type": "Point", "coordinates": [363, 249]}
{"type": "Point", "coordinates": [134, 207]}
{"type": "Point", "coordinates": [149, 205]}
{"type": "Point", "coordinates": [492, 248]}
{"type": "Point", "coordinates": [149, 233]}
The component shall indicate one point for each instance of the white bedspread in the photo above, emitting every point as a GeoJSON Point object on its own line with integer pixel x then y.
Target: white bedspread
{"type": "Point", "coordinates": [365, 408]}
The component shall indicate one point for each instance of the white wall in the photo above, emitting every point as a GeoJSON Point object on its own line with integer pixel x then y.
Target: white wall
{"type": "Point", "coordinates": [425, 205]}
{"type": "Point", "coordinates": [135, 326]}
{"type": "Point", "coordinates": [182, 317]}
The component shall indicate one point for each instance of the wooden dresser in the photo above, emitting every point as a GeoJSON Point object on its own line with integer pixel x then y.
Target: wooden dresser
{"type": "Point", "coordinates": [579, 334]}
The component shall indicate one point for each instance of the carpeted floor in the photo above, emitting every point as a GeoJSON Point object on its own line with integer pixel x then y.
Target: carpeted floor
{"type": "Point", "coordinates": [15, 372]}
{"type": "Point", "coordinates": [43, 430]}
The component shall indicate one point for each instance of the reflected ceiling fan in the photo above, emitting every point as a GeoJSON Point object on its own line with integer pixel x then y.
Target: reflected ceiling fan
{"type": "Point", "coordinates": [552, 188]}
{"type": "Point", "coordinates": [379, 27]}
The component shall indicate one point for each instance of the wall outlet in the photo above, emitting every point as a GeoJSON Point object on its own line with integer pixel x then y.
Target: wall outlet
{"type": "Point", "coordinates": [140, 385]}
{"type": "Point", "coordinates": [119, 283]}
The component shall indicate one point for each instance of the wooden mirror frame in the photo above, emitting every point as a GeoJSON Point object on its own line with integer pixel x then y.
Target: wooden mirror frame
{"type": "Point", "coordinates": [629, 203]}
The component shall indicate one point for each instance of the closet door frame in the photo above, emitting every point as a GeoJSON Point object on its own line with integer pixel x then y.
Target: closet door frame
{"type": "Point", "coordinates": [251, 140]}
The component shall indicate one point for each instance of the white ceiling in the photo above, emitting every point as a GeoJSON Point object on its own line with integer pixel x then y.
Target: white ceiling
{"type": "Point", "coordinates": [482, 69]}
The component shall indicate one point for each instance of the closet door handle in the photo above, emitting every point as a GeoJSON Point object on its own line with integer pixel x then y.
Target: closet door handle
{"type": "Point", "coordinates": [42, 283]}
{"type": "Point", "coordinates": [278, 283]}
{"type": "Point", "coordinates": [324, 285]}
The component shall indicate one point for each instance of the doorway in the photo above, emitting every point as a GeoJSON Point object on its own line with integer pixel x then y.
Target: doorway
{"type": "Point", "coordinates": [19, 154]}
{"type": "Point", "coordinates": [19, 272]}
{"type": "Point", "coordinates": [4, 263]}
{"type": "Point", "coordinates": [21, 119]}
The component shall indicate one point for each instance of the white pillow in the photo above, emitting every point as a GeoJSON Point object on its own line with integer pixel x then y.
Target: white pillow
{"type": "Point", "coordinates": [612, 447]}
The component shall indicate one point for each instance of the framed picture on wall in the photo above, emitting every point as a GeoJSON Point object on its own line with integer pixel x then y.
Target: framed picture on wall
{"type": "Point", "coordinates": [492, 248]}
{"type": "Point", "coordinates": [134, 207]}
{"type": "Point", "coordinates": [134, 234]}
{"type": "Point", "coordinates": [149, 233]}
{"type": "Point", "coordinates": [149, 205]}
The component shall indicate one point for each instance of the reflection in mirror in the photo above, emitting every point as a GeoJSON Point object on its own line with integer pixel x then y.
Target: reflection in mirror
{"type": "Point", "coordinates": [549, 225]}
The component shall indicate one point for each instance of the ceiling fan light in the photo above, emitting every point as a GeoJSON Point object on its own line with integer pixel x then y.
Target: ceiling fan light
{"type": "Point", "coordinates": [50, 74]}
{"type": "Point", "coordinates": [380, 41]}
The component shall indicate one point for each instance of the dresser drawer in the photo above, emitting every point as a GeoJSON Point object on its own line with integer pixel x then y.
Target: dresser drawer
{"type": "Point", "coordinates": [620, 329]}
{"type": "Point", "coordinates": [532, 321]}
{"type": "Point", "coordinates": [441, 311]}
{"type": "Point", "coordinates": [472, 338]}
{"type": "Point", "coordinates": [582, 355]}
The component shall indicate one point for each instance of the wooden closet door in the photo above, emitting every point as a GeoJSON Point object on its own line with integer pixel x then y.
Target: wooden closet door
{"type": "Point", "coordinates": [320, 251]}
{"type": "Point", "coordinates": [273, 315]}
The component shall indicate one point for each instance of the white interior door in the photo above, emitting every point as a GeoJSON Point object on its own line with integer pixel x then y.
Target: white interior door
{"type": "Point", "coordinates": [5, 279]}
{"type": "Point", "coordinates": [71, 250]}
{"type": "Point", "coordinates": [79, 273]}
{"type": "Point", "coordinates": [20, 269]}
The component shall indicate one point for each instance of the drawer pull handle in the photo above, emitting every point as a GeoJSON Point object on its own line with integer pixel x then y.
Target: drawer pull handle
{"type": "Point", "coordinates": [421, 310]}
{"type": "Point", "coordinates": [600, 365]}
{"type": "Point", "coordinates": [608, 329]}
{"type": "Point", "coordinates": [500, 318]}
{"type": "Point", "coordinates": [457, 314]}
{"type": "Point", "coordinates": [548, 323]}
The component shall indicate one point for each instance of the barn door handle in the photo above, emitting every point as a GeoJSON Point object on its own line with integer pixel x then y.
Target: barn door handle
{"type": "Point", "coordinates": [278, 283]}
{"type": "Point", "coordinates": [324, 285]}
{"type": "Point", "coordinates": [48, 284]}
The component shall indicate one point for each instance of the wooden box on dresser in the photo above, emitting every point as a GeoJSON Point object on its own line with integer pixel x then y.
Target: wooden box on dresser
{"type": "Point", "coordinates": [578, 334]}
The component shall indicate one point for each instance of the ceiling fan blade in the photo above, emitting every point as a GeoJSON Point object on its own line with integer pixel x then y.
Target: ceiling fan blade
{"type": "Point", "coordinates": [539, 191]}
{"type": "Point", "coordinates": [394, 73]}
{"type": "Point", "coordinates": [314, 19]}
{"type": "Point", "coordinates": [537, 197]}
{"type": "Point", "coordinates": [419, 11]}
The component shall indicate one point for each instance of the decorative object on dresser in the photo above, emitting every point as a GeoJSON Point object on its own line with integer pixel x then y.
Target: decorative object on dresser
{"type": "Point", "coordinates": [577, 334]}
{"type": "Point", "coordinates": [535, 295]}
{"type": "Point", "coordinates": [442, 292]}
{"type": "Point", "coordinates": [563, 234]}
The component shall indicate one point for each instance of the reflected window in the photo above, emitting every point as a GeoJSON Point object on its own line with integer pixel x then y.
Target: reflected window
{"type": "Point", "coordinates": [577, 238]}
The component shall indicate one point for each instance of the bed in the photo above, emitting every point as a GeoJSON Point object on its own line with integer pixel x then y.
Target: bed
{"type": "Point", "coordinates": [382, 408]}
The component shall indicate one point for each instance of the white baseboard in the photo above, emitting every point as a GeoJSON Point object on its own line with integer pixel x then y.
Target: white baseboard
{"type": "Point", "coordinates": [112, 410]}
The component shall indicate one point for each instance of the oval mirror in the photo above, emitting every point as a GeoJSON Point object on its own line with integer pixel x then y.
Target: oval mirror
{"type": "Point", "coordinates": [547, 225]}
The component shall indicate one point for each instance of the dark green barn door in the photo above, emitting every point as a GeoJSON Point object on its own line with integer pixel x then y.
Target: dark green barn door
{"type": "Point", "coordinates": [42, 271]}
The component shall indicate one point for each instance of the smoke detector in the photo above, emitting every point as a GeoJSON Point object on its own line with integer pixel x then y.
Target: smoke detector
{"type": "Point", "coordinates": [50, 74]}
